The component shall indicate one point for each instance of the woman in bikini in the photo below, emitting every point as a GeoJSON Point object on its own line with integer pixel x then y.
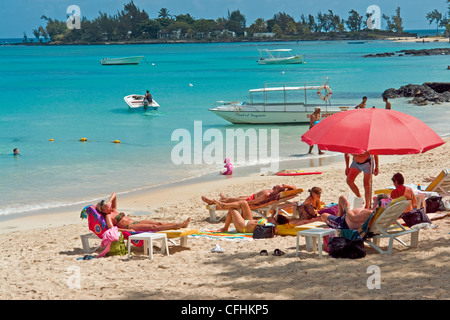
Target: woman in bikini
{"type": "Point", "coordinates": [115, 218]}
{"type": "Point", "coordinates": [314, 198]}
{"type": "Point", "coordinates": [243, 221]}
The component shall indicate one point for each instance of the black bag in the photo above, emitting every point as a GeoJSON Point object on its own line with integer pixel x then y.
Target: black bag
{"type": "Point", "coordinates": [434, 204]}
{"type": "Point", "coordinates": [415, 216]}
{"type": "Point", "coordinates": [264, 232]}
{"type": "Point", "coordinates": [341, 247]}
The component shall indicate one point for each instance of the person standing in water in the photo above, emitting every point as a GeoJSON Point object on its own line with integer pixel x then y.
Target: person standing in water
{"type": "Point", "coordinates": [313, 120]}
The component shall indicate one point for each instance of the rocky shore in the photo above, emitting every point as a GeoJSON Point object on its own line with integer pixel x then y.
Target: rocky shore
{"type": "Point", "coordinates": [428, 92]}
{"type": "Point", "coordinates": [421, 52]}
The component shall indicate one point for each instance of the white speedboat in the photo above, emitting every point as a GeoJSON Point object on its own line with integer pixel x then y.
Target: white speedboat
{"type": "Point", "coordinates": [279, 56]}
{"type": "Point", "coordinates": [136, 101]}
{"type": "Point", "coordinates": [121, 61]}
{"type": "Point", "coordinates": [279, 104]}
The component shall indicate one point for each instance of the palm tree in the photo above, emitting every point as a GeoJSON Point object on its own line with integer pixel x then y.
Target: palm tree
{"type": "Point", "coordinates": [164, 13]}
{"type": "Point", "coordinates": [36, 33]}
{"type": "Point", "coordinates": [258, 26]}
{"type": "Point", "coordinates": [434, 16]}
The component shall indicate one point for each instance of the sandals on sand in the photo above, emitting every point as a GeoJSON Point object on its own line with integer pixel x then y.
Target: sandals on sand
{"type": "Point", "coordinates": [276, 252]}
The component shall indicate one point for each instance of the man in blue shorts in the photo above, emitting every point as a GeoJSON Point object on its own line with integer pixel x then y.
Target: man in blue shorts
{"type": "Point", "coordinates": [361, 163]}
{"type": "Point", "coordinates": [346, 218]}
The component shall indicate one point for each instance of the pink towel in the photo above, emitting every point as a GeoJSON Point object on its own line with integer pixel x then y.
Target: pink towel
{"type": "Point", "coordinates": [109, 236]}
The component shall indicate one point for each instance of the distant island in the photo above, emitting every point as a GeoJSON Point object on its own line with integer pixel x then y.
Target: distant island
{"type": "Point", "coordinates": [133, 26]}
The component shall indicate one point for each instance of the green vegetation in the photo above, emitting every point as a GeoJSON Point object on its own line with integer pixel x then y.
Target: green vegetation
{"type": "Point", "coordinates": [441, 20]}
{"type": "Point", "coordinates": [134, 25]}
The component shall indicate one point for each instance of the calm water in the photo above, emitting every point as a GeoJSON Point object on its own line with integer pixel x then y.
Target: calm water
{"type": "Point", "coordinates": [63, 93]}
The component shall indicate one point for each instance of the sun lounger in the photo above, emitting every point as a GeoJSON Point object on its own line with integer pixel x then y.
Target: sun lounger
{"type": "Point", "coordinates": [97, 225]}
{"type": "Point", "coordinates": [385, 224]}
{"type": "Point", "coordinates": [263, 208]}
{"type": "Point", "coordinates": [441, 184]}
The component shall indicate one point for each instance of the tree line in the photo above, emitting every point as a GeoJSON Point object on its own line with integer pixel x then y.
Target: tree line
{"type": "Point", "coordinates": [133, 24]}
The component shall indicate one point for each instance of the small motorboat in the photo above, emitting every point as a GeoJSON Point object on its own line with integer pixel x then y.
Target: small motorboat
{"type": "Point", "coordinates": [279, 56]}
{"type": "Point", "coordinates": [121, 61]}
{"type": "Point", "coordinates": [136, 101]}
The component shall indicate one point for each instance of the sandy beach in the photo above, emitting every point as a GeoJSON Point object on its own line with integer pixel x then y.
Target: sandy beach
{"type": "Point", "coordinates": [39, 253]}
{"type": "Point", "coordinates": [419, 39]}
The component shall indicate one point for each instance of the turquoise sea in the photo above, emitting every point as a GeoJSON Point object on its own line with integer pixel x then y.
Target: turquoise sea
{"type": "Point", "coordinates": [64, 93]}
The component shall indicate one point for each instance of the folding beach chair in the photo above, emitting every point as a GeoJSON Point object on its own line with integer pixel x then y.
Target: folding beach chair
{"type": "Point", "coordinates": [385, 224]}
{"type": "Point", "coordinates": [263, 208]}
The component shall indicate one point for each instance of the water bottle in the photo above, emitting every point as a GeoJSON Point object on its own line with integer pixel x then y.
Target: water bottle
{"type": "Point", "coordinates": [419, 187]}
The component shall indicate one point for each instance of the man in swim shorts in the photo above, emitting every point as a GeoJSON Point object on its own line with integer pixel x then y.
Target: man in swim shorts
{"type": "Point", "coordinates": [346, 218]}
{"type": "Point", "coordinates": [361, 163]}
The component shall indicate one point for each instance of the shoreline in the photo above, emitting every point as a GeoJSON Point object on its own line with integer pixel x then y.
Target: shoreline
{"type": "Point", "coordinates": [30, 219]}
{"type": "Point", "coordinates": [325, 37]}
{"type": "Point", "coordinates": [160, 196]}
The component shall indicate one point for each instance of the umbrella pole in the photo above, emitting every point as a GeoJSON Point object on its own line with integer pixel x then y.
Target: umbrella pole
{"type": "Point", "coordinates": [371, 177]}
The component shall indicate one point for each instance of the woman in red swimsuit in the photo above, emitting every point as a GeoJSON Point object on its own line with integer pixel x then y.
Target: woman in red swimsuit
{"type": "Point", "coordinates": [400, 190]}
{"type": "Point", "coordinates": [255, 198]}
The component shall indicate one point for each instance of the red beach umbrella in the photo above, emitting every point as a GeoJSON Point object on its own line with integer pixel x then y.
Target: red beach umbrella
{"type": "Point", "coordinates": [379, 131]}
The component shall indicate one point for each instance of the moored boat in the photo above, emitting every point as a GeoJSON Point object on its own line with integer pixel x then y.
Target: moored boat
{"type": "Point", "coordinates": [279, 104]}
{"type": "Point", "coordinates": [279, 56]}
{"type": "Point", "coordinates": [136, 101]}
{"type": "Point", "coordinates": [121, 61]}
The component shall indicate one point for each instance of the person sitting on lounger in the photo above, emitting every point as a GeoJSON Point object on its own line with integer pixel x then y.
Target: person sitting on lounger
{"type": "Point", "coordinates": [400, 190]}
{"type": "Point", "coordinates": [243, 221]}
{"type": "Point", "coordinates": [314, 198]}
{"type": "Point", "coordinates": [254, 198]}
{"type": "Point", "coordinates": [115, 218]}
{"type": "Point", "coordinates": [346, 218]}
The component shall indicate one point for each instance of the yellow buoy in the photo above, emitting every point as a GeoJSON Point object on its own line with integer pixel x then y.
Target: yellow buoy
{"type": "Point", "coordinates": [83, 139]}
{"type": "Point", "coordinates": [51, 139]}
{"type": "Point", "coordinates": [116, 141]}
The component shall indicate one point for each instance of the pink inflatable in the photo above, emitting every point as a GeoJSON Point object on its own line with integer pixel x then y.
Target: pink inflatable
{"type": "Point", "coordinates": [228, 166]}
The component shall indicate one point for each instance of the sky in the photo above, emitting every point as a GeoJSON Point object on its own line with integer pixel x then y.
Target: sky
{"type": "Point", "coordinates": [19, 16]}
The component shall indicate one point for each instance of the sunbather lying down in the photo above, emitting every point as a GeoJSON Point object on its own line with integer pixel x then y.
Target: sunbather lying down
{"type": "Point", "coordinates": [255, 198]}
{"type": "Point", "coordinates": [115, 218]}
{"type": "Point", "coordinates": [347, 218]}
{"type": "Point", "coordinates": [243, 221]}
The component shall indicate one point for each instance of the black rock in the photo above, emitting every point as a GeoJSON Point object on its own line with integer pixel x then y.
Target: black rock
{"type": "Point", "coordinates": [435, 92]}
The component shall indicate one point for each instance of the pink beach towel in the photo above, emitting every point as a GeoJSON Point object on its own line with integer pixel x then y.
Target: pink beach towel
{"type": "Point", "coordinates": [109, 236]}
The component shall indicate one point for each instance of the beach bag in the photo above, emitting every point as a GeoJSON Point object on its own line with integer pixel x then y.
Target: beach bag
{"type": "Point", "coordinates": [434, 204]}
{"type": "Point", "coordinates": [340, 247]}
{"type": "Point", "coordinates": [264, 232]}
{"type": "Point", "coordinates": [118, 248]}
{"type": "Point", "coordinates": [414, 217]}
{"type": "Point", "coordinates": [306, 211]}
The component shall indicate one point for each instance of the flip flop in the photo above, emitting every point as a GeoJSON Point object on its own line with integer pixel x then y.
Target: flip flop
{"type": "Point", "coordinates": [86, 257]}
{"type": "Point", "coordinates": [278, 252]}
{"type": "Point", "coordinates": [263, 253]}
